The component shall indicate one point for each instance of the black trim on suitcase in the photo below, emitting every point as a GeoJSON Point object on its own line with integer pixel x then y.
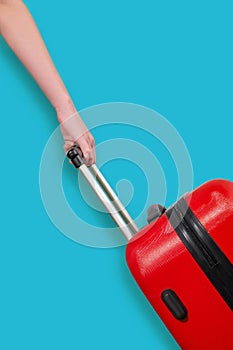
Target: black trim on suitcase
{"type": "Point", "coordinates": [204, 250]}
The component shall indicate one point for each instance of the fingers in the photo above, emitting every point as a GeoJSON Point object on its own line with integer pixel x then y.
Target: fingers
{"type": "Point", "coordinates": [92, 149]}
{"type": "Point", "coordinates": [67, 146]}
{"type": "Point", "coordinates": [74, 132]}
{"type": "Point", "coordinates": [87, 145]}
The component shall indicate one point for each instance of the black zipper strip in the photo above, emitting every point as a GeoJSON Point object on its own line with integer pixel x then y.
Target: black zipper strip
{"type": "Point", "coordinates": [204, 250]}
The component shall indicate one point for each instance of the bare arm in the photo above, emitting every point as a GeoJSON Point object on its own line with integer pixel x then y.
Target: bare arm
{"type": "Point", "coordinates": [22, 35]}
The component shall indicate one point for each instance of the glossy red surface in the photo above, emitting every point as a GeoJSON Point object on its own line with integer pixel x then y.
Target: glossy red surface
{"type": "Point", "coordinates": [158, 260]}
{"type": "Point", "coordinates": [212, 203]}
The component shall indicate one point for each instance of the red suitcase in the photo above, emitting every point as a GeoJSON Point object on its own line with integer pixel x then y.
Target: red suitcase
{"type": "Point", "coordinates": [182, 260]}
{"type": "Point", "coordinates": [183, 263]}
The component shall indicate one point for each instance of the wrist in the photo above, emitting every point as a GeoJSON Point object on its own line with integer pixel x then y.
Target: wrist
{"type": "Point", "coordinates": [65, 109]}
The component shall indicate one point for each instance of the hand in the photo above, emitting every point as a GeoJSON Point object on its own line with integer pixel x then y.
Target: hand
{"type": "Point", "coordinates": [74, 132]}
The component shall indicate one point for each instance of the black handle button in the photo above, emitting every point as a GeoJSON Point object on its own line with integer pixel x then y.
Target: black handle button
{"type": "Point", "coordinates": [74, 155]}
{"type": "Point", "coordinates": [174, 304]}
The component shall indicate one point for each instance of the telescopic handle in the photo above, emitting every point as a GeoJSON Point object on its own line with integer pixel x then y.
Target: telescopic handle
{"type": "Point", "coordinates": [105, 193]}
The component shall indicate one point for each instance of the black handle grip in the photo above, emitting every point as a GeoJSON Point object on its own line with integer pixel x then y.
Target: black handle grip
{"type": "Point", "coordinates": [75, 155]}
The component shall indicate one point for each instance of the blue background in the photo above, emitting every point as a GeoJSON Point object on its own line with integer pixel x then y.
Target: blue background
{"type": "Point", "coordinates": [172, 56]}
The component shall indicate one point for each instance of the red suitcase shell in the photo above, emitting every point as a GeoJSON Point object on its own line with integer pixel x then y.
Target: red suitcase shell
{"type": "Point", "coordinates": [195, 307]}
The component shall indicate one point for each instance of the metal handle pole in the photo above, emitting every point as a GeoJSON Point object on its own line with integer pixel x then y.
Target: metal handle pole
{"type": "Point", "coordinates": [113, 197]}
{"type": "Point", "coordinates": [105, 193]}
{"type": "Point", "coordinates": [109, 205]}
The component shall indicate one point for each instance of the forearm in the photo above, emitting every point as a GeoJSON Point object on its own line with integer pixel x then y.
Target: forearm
{"type": "Point", "coordinates": [22, 35]}
{"type": "Point", "coordinates": [20, 32]}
